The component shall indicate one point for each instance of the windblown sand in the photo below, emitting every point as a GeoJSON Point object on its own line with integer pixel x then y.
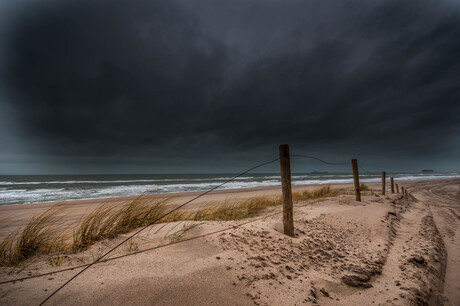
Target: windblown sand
{"type": "Point", "coordinates": [385, 250]}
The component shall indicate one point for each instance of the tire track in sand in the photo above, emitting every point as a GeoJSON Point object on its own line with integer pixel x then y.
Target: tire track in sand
{"type": "Point", "coordinates": [443, 200]}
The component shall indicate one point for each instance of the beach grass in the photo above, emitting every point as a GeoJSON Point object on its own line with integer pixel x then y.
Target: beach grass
{"type": "Point", "coordinates": [323, 192]}
{"type": "Point", "coordinates": [45, 235]}
{"type": "Point", "coordinates": [234, 210]}
{"type": "Point", "coordinates": [107, 222]}
{"type": "Point", "coordinates": [229, 210]}
{"type": "Point", "coordinates": [41, 235]}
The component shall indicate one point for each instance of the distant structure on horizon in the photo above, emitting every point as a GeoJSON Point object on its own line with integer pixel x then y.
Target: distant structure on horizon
{"type": "Point", "coordinates": [427, 170]}
{"type": "Point", "coordinates": [316, 172]}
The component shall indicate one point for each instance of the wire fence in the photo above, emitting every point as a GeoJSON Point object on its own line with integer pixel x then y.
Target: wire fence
{"type": "Point", "coordinates": [103, 258]}
{"type": "Point", "coordinates": [320, 160]}
{"type": "Point", "coordinates": [148, 249]}
{"type": "Point", "coordinates": [155, 221]}
{"type": "Point", "coordinates": [365, 171]}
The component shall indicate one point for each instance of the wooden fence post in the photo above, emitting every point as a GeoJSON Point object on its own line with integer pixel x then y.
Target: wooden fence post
{"type": "Point", "coordinates": [392, 185]}
{"type": "Point", "coordinates": [354, 166]}
{"type": "Point", "coordinates": [285, 164]}
{"type": "Point", "coordinates": [402, 190]}
{"type": "Point", "coordinates": [397, 188]}
{"type": "Point", "coordinates": [383, 182]}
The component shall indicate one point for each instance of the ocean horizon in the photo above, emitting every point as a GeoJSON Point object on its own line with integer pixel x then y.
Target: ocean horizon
{"type": "Point", "coordinates": [18, 189]}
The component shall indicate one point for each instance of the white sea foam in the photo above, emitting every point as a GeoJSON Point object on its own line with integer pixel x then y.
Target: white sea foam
{"type": "Point", "coordinates": [53, 190]}
{"type": "Point", "coordinates": [124, 181]}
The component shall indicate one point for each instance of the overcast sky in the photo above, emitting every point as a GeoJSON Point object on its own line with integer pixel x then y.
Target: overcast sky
{"type": "Point", "coordinates": [215, 86]}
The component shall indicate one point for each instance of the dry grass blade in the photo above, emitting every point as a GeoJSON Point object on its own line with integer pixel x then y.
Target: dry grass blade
{"type": "Point", "coordinates": [228, 210]}
{"type": "Point", "coordinates": [43, 235]}
{"type": "Point", "coordinates": [108, 222]}
{"type": "Point", "coordinates": [323, 192]}
{"type": "Point", "coordinates": [139, 212]}
{"type": "Point", "coordinates": [40, 236]}
{"type": "Point", "coordinates": [180, 233]}
{"type": "Point", "coordinates": [7, 250]}
{"type": "Point", "coordinates": [234, 211]}
{"type": "Point", "coordinates": [94, 227]}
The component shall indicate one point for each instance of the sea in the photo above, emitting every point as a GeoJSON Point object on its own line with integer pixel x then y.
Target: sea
{"type": "Point", "coordinates": [18, 189]}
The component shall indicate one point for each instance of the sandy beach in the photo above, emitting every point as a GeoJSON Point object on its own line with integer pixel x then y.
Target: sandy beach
{"type": "Point", "coordinates": [385, 250]}
{"type": "Point", "coordinates": [158, 152]}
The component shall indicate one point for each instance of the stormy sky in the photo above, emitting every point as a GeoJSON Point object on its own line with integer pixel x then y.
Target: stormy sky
{"type": "Point", "coordinates": [153, 86]}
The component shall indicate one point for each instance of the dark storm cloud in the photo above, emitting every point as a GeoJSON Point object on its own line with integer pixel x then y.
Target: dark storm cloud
{"type": "Point", "coordinates": [96, 72]}
{"type": "Point", "coordinates": [102, 77]}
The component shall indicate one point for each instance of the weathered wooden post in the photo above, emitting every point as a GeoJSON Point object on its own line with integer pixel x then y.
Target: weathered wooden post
{"type": "Point", "coordinates": [354, 166]}
{"type": "Point", "coordinates": [383, 182]}
{"type": "Point", "coordinates": [392, 185]}
{"type": "Point", "coordinates": [402, 190]}
{"type": "Point", "coordinates": [285, 164]}
{"type": "Point", "coordinates": [397, 188]}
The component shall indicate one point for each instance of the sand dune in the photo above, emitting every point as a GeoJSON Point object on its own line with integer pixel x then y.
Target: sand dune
{"type": "Point", "coordinates": [384, 250]}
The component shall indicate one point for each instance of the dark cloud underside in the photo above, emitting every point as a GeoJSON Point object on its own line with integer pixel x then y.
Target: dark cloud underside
{"type": "Point", "coordinates": [103, 77]}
